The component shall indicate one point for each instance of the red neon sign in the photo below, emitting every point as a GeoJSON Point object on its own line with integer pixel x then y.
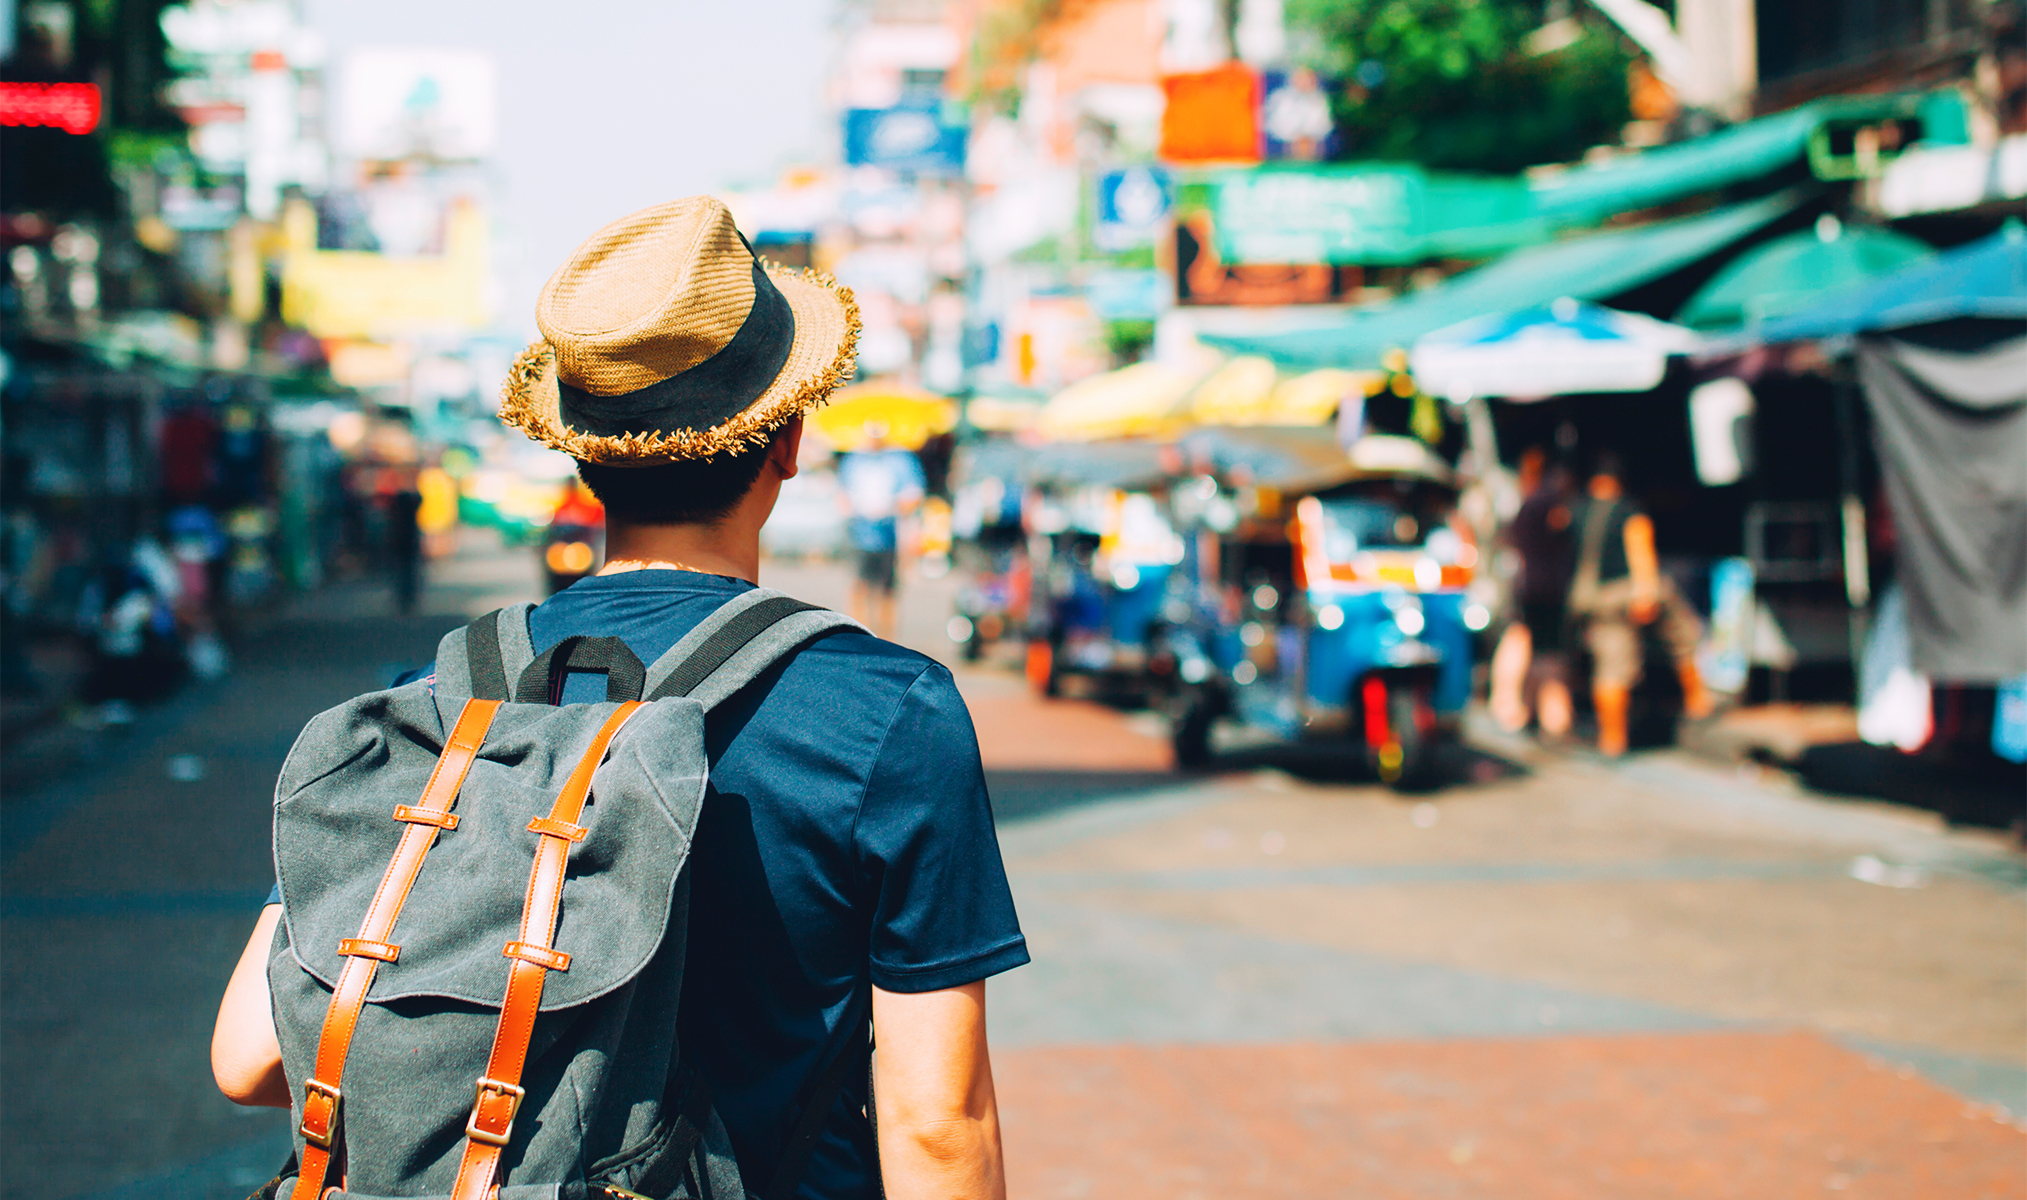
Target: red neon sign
{"type": "Point", "coordinates": [71, 107]}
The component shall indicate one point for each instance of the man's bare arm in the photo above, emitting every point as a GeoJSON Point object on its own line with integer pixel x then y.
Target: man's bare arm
{"type": "Point", "coordinates": [1645, 567]}
{"type": "Point", "coordinates": [932, 1089]}
{"type": "Point", "coordinates": [246, 1057]}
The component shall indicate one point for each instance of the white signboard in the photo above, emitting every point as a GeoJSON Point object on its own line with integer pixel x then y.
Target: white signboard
{"type": "Point", "coordinates": [399, 102]}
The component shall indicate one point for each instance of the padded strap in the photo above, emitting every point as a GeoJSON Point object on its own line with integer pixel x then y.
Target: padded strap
{"type": "Point", "coordinates": [732, 646]}
{"type": "Point", "coordinates": [483, 659]}
{"type": "Point", "coordinates": [533, 955]}
{"type": "Point", "coordinates": [542, 682]}
{"type": "Point", "coordinates": [323, 1093]}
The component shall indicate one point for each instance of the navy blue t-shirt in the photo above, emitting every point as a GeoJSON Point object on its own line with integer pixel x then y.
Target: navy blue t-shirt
{"type": "Point", "coordinates": [846, 837]}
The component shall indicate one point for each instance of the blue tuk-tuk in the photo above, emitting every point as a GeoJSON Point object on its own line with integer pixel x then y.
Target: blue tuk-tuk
{"type": "Point", "coordinates": [1102, 547]}
{"type": "Point", "coordinates": [1329, 599]}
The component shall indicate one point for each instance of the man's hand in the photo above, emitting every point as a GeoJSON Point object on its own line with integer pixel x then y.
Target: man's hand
{"type": "Point", "coordinates": [932, 1089]}
{"type": "Point", "coordinates": [246, 1057]}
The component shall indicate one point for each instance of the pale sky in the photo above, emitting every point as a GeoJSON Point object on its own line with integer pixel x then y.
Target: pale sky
{"type": "Point", "coordinates": [608, 106]}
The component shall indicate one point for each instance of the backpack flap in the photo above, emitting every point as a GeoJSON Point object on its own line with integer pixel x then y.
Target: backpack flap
{"type": "Point", "coordinates": [335, 832]}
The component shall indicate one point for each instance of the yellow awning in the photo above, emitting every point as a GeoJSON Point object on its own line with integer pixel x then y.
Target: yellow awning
{"type": "Point", "coordinates": [904, 417]}
{"type": "Point", "coordinates": [1237, 393]}
{"type": "Point", "coordinates": [1247, 391]}
{"type": "Point", "coordinates": [1145, 398]}
{"type": "Point", "coordinates": [1313, 398]}
{"type": "Point", "coordinates": [999, 414]}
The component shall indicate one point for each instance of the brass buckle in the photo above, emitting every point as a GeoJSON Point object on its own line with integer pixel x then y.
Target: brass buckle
{"type": "Point", "coordinates": [322, 1138]}
{"type": "Point", "coordinates": [613, 1189]}
{"type": "Point", "coordinates": [513, 1095]}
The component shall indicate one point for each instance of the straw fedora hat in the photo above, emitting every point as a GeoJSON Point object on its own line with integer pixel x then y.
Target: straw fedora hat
{"type": "Point", "coordinates": [665, 338]}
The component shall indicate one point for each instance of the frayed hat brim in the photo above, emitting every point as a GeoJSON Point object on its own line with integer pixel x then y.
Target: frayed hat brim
{"type": "Point", "coordinates": [822, 358]}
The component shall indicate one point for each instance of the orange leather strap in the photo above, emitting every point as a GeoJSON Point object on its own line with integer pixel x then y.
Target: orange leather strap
{"type": "Point", "coordinates": [499, 1091]}
{"type": "Point", "coordinates": [322, 1094]}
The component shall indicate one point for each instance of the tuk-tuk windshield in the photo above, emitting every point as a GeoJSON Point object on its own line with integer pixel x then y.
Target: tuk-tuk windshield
{"type": "Point", "coordinates": [1352, 525]}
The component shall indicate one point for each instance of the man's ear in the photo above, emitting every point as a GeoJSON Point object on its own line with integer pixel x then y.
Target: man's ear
{"type": "Point", "coordinates": [785, 446]}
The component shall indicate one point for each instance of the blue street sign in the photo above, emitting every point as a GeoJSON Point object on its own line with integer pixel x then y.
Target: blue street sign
{"type": "Point", "coordinates": [1131, 206]}
{"type": "Point", "coordinates": [909, 137]}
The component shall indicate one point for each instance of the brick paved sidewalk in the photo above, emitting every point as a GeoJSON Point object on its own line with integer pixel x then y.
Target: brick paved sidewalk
{"type": "Point", "coordinates": [1569, 980]}
{"type": "Point", "coordinates": [1580, 981]}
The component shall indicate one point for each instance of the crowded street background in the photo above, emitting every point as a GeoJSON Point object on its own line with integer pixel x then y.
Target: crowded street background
{"type": "Point", "coordinates": [1485, 540]}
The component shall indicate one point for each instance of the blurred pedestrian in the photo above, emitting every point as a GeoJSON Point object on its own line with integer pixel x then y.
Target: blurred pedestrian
{"type": "Point", "coordinates": [881, 484]}
{"type": "Point", "coordinates": [189, 446]}
{"type": "Point", "coordinates": [404, 546]}
{"type": "Point", "coordinates": [128, 608]}
{"type": "Point", "coordinates": [1617, 591]}
{"type": "Point", "coordinates": [198, 544]}
{"type": "Point", "coordinates": [1530, 649]}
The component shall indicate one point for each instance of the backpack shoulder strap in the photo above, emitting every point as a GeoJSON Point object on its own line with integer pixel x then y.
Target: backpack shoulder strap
{"type": "Point", "coordinates": [483, 659]}
{"type": "Point", "coordinates": [733, 645]}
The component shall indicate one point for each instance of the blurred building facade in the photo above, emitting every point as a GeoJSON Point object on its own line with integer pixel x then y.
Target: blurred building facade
{"type": "Point", "coordinates": [1214, 186]}
{"type": "Point", "coordinates": [241, 279]}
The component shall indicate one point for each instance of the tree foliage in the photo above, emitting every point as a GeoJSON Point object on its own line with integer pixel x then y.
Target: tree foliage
{"type": "Point", "coordinates": [1011, 34]}
{"type": "Point", "coordinates": [1454, 83]}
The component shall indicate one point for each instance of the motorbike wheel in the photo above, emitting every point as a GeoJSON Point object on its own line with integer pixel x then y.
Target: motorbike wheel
{"type": "Point", "coordinates": [1406, 759]}
{"type": "Point", "coordinates": [1190, 733]}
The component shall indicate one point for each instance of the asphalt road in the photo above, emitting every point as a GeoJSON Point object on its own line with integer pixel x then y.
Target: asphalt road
{"type": "Point", "coordinates": [1556, 978]}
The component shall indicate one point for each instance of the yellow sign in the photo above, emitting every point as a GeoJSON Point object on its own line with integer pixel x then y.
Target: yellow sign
{"type": "Point", "coordinates": [357, 294]}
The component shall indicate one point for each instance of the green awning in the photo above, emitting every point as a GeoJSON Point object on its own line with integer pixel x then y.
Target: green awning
{"type": "Point", "coordinates": [1368, 213]}
{"type": "Point", "coordinates": [1397, 213]}
{"type": "Point", "coordinates": [1595, 267]}
{"type": "Point", "coordinates": [1586, 195]}
{"type": "Point", "coordinates": [1787, 273]}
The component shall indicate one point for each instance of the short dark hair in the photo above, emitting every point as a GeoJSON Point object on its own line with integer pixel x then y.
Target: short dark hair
{"type": "Point", "coordinates": [700, 491]}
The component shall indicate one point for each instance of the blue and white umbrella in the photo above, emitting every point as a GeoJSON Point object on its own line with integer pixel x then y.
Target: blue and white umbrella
{"type": "Point", "coordinates": [1548, 350]}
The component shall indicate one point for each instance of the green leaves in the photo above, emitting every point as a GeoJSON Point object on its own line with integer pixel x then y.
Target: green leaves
{"type": "Point", "coordinates": [1456, 87]}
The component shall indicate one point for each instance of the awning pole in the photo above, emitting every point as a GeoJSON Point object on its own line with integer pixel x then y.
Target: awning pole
{"type": "Point", "coordinates": [1851, 514]}
{"type": "Point", "coordinates": [1501, 495]}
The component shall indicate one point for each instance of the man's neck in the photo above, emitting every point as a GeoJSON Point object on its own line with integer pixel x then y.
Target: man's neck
{"type": "Point", "coordinates": [727, 548]}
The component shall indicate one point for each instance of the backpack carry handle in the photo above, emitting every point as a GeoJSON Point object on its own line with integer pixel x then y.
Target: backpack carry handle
{"type": "Point", "coordinates": [542, 682]}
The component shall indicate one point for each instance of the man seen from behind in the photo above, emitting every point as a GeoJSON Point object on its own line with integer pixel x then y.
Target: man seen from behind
{"type": "Point", "coordinates": [845, 852]}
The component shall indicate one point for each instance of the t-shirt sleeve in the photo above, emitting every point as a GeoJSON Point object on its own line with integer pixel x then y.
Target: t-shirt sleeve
{"type": "Point", "coordinates": [412, 674]}
{"type": "Point", "coordinates": [943, 914]}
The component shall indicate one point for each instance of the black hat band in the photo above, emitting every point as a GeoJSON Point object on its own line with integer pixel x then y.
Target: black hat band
{"type": "Point", "coordinates": [708, 394]}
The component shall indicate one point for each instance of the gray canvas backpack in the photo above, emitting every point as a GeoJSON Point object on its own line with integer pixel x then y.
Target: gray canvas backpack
{"type": "Point", "coordinates": [476, 977]}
